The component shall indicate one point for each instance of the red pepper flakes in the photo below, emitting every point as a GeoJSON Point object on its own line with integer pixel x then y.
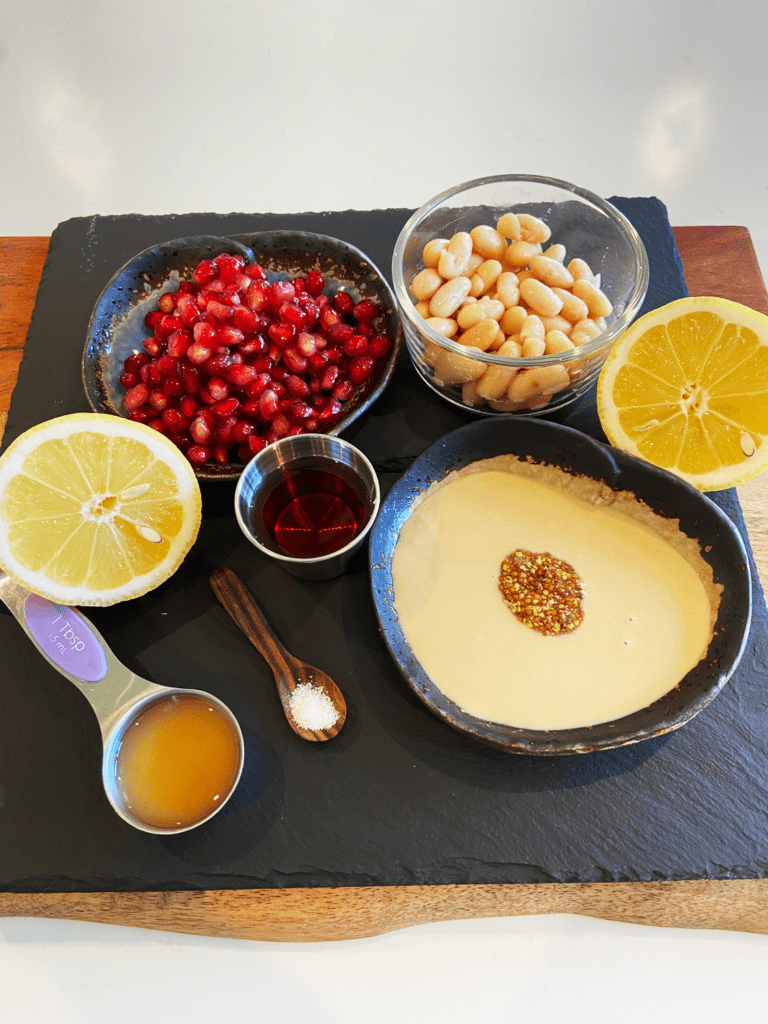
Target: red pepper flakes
{"type": "Point", "coordinates": [544, 592]}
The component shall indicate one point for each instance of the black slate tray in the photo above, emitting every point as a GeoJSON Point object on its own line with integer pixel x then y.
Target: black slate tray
{"type": "Point", "coordinates": [397, 798]}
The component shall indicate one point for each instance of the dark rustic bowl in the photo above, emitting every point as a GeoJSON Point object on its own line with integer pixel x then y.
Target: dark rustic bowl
{"type": "Point", "coordinates": [573, 452]}
{"type": "Point", "coordinates": [116, 328]}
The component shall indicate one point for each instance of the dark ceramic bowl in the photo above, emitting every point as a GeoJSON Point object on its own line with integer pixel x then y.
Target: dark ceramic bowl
{"type": "Point", "coordinates": [116, 328]}
{"type": "Point", "coordinates": [668, 496]}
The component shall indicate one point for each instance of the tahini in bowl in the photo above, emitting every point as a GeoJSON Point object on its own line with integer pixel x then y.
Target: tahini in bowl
{"type": "Point", "coordinates": [541, 441]}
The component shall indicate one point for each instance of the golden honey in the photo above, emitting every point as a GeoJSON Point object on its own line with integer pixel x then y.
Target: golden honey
{"type": "Point", "coordinates": [178, 761]}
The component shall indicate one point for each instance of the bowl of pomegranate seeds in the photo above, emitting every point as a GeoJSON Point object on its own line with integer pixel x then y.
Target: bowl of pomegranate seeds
{"type": "Point", "coordinates": [228, 344]}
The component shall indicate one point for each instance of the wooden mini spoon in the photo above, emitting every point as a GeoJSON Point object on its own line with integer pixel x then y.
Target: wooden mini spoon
{"type": "Point", "coordinates": [289, 672]}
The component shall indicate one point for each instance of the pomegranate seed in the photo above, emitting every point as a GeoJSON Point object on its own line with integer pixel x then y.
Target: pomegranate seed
{"type": "Point", "coordinates": [311, 425]}
{"type": "Point", "coordinates": [259, 385]}
{"type": "Point", "coordinates": [296, 386]}
{"type": "Point", "coordinates": [343, 303]}
{"type": "Point", "coordinates": [255, 271]}
{"type": "Point", "coordinates": [241, 431]}
{"type": "Point", "coordinates": [263, 364]}
{"type": "Point", "coordinates": [280, 292]}
{"type": "Point", "coordinates": [344, 390]}
{"type": "Point", "coordinates": [166, 303]}
{"type": "Point", "coordinates": [168, 325]}
{"type": "Point", "coordinates": [178, 343]}
{"type": "Point", "coordinates": [275, 353]}
{"type": "Point", "coordinates": [204, 332]}
{"type": "Point", "coordinates": [360, 369]}
{"type": "Point", "coordinates": [199, 454]}
{"type": "Point", "coordinates": [191, 378]}
{"type": "Point", "coordinates": [306, 343]}
{"type": "Point", "coordinates": [158, 400]}
{"type": "Point", "coordinates": [225, 407]}
{"type": "Point", "coordinates": [331, 411]}
{"type": "Point", "coordinates": [229, 267]}
{"type": "Point", "coordinates": [205, 272]}
{"type": "Point", "coordinates": [244, 453]}
{"type": "Point", "coordinates": [339, 332]}
{"type": "Point", "coordinates": [311, 310]}
{"type": "Point", "coordinates": [221, 454]}
{"type": "Point", "coordinates": [173, 386]}
{"type": "Point", "coordinates": [299, 285]}
{"type": "Point", "coordinates": [188, 310]}
{"type": "Point", "coordinates": [135, 362]}
{"type": "Point", "coordinates": [379, 345]}
{"type": "Point", "coordinates": [218, 388]}
{"type": "Point", "coordinates": [175, 420]}
{"type": "Point", "coordinates": [315, 282]}
{"type": "Point", "coordinates": [153, 318]}
{"type": "Point", "coordinates": [129, 380]}
{"type": "Point", "coordinates": [281, 334]}
{"type": "Point", "coordinates": [294, 360]}
{"type": "Point", "coordinates": [299, 411]}
{"type": "Point", "coordinates": [229, 336]}
{"type": "Point", "coordinates": [168, 366]}
{"type": "Point", "coordinates": [253, 346]}
{"type": "Point", "coordinates": [257, 296]}
{"type": "Point", "coordinates": [181, 441]}
{"type": "Point", "coordinates": [334, 354]}
{"type": "Point", "coordinates": [205, 395]}
{"type": "Point", "coordinates": [217, 365]}
{"type": "Point", "coordinates": [291, 314]}
{"type": "Point", "coordinates": [152, 346]}
{"type": "Point", "coordinates": [280, 426]}
{"type": "Point", "coordinates": [136, 397]}
{"type": "Point", "coordinates": [356, 345]}
{"type": "Point", "coordinates": [251, 408]}
{"type": "Point", "coordinates": [188, 405]}
{"type": "Point", "coordinates": [256, 444]}
{"type": "Point", "coordinates": [242, 376]}
{"type": "Point", "coordinates": [365, 329]}
{"type": "Point", "coordinates": [328, 316]}
{"type": "Point", "coordinates": [142, 415]}
{"type": "Point", "coordinates": [159, 426]}
{"type": "Point", "coordinates": [198, 352]}
{"type": "Point", "coordinates": [200, 430]}
{"type": "Point", "coordinates": [245, 320]}
{"type": "Point", "coordinates": [220, 311]}
{"type": "Point", "coordinates": [365, 312]}
{"type": "Point", "coordinates": [329, 378]}
{"type": "Point", "coordinates": [151, 375]}
{"type": "Point", "coordinates": [315, 385]}
{"type": "Point", "coordinates": [268, 404]}
{"type": "Point", "coordinates": [318, 362]}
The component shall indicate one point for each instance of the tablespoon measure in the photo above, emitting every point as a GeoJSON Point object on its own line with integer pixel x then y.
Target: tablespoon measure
{"type": "Point", "coordinates": [74, 647]}
{"type": "Point", "coordinates": [289, 672]}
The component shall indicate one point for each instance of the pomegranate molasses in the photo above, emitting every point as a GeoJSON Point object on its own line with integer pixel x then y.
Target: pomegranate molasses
{"type": "Point", "coordinates": [312, 513]}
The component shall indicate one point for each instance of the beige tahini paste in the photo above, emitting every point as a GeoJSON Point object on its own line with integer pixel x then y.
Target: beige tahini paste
{"type": "Point", "coordinates": [649, 608]}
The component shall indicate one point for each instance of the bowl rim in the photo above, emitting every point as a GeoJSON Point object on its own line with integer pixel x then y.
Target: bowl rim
{"type": "Point", "coordinates": [245, 243]}
{"type": "Point", "coordinates": [570, 450]}
{"type": "Point", "coordinates": [622, 322]}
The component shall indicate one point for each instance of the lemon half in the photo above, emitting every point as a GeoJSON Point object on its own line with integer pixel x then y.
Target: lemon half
{"type": "Point", "coordinates": [95, 509]}
{"type": "Point", "coordinates": [686, 388]}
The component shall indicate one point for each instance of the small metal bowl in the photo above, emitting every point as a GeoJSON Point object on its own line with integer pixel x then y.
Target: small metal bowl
{"type": "Point", "coordinates": [116, 329]}
{"type": "Point", "coordinates": [541, 441]}
{"type": "Point", "coordinates": [283, 463]}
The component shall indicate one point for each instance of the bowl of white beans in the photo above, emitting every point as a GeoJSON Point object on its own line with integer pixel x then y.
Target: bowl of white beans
{"type": "Point", "coordinates": [512, 289]}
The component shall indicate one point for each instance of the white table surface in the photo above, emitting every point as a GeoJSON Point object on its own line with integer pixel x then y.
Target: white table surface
{"type": "Point", "coordinates": [244, 105]}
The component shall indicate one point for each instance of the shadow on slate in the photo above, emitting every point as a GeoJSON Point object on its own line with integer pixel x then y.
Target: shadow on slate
{"type": "Point", "coordinates": [398, 797]}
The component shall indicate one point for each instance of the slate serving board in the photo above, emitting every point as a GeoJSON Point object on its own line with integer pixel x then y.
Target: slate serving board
{"type": "Point", "coordinates": [398, 797]}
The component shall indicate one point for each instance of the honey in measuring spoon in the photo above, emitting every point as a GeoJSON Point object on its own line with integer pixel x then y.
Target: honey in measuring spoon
{"type": "Point", "coordinates": [177, 762]}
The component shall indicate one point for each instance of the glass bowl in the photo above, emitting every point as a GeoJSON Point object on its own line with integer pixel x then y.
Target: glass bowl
{"type": "Point", "coordinates": [587, 226]}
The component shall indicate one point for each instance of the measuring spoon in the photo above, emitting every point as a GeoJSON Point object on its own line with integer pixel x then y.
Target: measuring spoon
{"type": "Point", "coordinates": [118, 696]}
{"type": "Point", "coordinates": [289, 672]}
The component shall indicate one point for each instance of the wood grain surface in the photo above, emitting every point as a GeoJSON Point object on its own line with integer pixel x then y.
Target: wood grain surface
{"type": "Point", "coordinates": [717, 261]}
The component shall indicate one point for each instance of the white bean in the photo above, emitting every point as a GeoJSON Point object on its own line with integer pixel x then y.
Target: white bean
{"type": "Point", "coordinates": [449, 296]}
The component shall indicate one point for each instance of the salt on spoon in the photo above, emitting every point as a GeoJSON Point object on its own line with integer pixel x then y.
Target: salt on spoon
{"type": "Point", "coordinates": [312, 702]}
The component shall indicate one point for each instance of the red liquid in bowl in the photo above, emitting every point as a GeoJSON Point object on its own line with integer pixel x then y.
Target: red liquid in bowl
{"type": "Point", "coordinates": [313, 513]}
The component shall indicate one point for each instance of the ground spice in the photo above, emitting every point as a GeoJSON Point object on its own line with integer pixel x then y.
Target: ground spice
{"type": "Point", "coordinates": [312, 708]}
{"type": "Point", "coordinates": [544, 592]}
